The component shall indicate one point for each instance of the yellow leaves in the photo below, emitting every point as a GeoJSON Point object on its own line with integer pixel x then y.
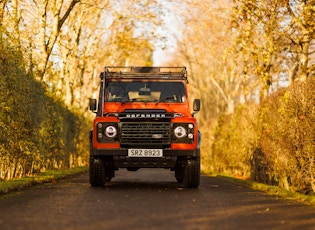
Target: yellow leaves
{"type": "Point", "coordinates": [284, 134]}
{"type": "Point", "coordinates": [286, 97]}
{"type": "Point", "coordinates": [267, 131]}
{"type": "Point", "coordinates": [302, 117]}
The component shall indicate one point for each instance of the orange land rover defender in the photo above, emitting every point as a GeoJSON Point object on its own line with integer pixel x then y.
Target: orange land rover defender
{"type": "Point", "coordinates": [143, 120]}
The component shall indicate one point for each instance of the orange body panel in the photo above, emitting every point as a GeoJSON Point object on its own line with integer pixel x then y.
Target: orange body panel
{"type": "Point", "coordinates": [117, 107]}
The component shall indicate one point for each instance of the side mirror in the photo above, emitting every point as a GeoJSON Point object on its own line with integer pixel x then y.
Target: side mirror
{"type": "Point", "coordinates": [93, 105]}
{"type": "Point", "coordinates": [196, 105]}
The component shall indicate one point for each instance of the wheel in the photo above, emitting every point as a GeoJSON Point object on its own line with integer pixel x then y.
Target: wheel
{"type": "Point", "coordinates": [192, 173]}
{"type": "Point", "coordinates": [179, 170]}
{"type": "Point", "coordinates": [97, 172]}
{"type": "Point", "coordinates": [109, 169]}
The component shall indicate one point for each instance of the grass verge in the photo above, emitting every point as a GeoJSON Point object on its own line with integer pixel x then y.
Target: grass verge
{"type": "Point", "coordinates": [47, 176]}
{"type": "Point", "coordinates": [273, 190]}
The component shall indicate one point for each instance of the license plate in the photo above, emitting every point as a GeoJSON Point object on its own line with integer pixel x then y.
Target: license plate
{"type": "Point", "coordinates": [145, 152]}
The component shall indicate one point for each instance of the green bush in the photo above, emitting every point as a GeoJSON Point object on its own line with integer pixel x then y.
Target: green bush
{"type": "Point", "coordinates": [235, 140]}
{"type": "Point", "coordinates": [37, 131]}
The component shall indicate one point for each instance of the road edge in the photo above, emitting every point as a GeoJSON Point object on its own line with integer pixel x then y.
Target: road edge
{"type": "Point", "coordinates": [44, 177]}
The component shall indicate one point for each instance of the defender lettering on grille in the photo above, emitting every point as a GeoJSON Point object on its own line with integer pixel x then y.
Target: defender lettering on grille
{"type": "Point", "coordinates": [145, 115]}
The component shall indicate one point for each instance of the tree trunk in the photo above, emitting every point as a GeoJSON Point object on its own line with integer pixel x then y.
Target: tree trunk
{"type": "Point", "coordinates": [304, 57]}
{"type": "Point", "coordinates": [2, 5]}
{"type": "Point", "coordinates": [47, 41]}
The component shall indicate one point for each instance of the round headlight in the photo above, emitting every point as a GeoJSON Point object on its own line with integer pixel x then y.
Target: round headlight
{"type": "Point", "coordinates": [111, 131]}
{"type": "Point", "coordinates": [180, 132]}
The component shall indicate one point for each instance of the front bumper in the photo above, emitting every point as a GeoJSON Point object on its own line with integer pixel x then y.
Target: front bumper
{"type": "Point", "coordinates": [124, 152]}
{"type": "Point", "coordinates": [121, 160]}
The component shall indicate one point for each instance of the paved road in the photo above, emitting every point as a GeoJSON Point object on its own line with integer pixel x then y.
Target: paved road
{"type": "Point", "coordinates": [149, 199]}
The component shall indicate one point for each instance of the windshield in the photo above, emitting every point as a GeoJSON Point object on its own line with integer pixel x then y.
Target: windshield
{"type": "Point", "coordinates": [145, 92]}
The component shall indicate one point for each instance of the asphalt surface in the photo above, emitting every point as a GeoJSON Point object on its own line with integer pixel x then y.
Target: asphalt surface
{"type": "Point", "coordinates": [149, 199]}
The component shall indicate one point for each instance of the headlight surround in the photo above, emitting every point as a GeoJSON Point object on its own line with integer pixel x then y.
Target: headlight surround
{"type": "Point", "coordinates": [107, 132]}
{"type": "Point", "coordinates": [183, 132]}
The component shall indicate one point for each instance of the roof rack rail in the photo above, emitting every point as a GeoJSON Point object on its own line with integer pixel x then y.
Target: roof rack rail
{"type": "Point", "coordinates": [145, 72]}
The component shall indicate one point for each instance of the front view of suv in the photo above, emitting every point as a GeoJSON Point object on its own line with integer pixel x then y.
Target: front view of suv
{"type": "Point", "coordinates": [143, 120]}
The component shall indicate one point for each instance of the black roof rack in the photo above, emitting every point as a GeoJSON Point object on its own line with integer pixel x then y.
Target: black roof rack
{"type": "Point", "coordinates": [145, 72]}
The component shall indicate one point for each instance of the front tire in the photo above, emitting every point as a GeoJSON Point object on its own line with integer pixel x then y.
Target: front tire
{"type": "Point", "coordinates": [179, 170]}
{"type": "Point", "coordinates": [192, 173]}
{"type": "Point", "coordinates": [97, 172]}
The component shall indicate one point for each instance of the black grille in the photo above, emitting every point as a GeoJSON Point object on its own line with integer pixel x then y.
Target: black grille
{"type": "Point", "coordinates": [145, 134]}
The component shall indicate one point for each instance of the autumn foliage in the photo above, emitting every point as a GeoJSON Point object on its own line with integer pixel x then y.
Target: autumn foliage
{"type": "Point", "coordinates": [37, 131]}
{"type": "Point", "coordinates": [51, 54]}
{"type": "Point", "coordinates": [238, 54]}
{"type": "Point", "coordinates": [272, 142]}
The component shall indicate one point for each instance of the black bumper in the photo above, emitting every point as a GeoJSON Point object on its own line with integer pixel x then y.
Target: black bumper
{"type": "Point", "coordinates": [121, 160]}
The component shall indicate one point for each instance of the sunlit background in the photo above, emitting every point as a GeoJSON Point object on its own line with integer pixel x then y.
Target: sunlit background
{"type": "Point", "coordinates": [238, 54]}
